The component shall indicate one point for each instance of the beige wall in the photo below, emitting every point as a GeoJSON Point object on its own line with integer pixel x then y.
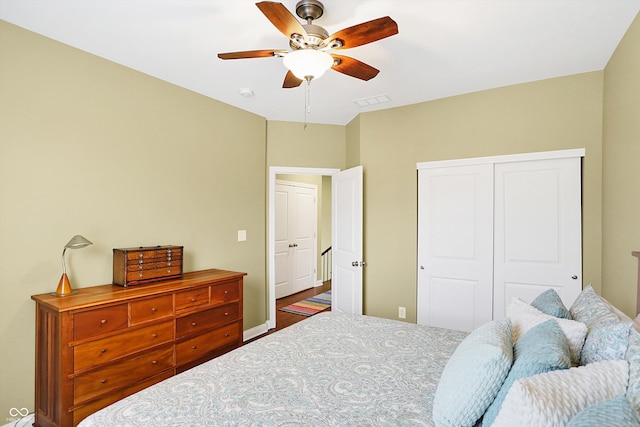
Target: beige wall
{"type": "Point", "coordinates": [318, 146]}
{"type": "Point", "coordinates": [547, 115]}
{"type": "Point", "coordinates": [621, 179]}
{"type": "Point", "coordinates": [93, 148]}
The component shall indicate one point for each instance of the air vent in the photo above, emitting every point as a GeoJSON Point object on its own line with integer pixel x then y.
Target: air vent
{"type": "Point", "coordinates": [373, 100]}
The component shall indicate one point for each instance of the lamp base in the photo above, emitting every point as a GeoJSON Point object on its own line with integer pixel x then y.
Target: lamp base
{"type": "Point", "coordinates": [64, 287]}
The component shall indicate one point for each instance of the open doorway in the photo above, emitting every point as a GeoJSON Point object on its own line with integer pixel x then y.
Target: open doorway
{"type": "Point", "coordinates": [322, 176]}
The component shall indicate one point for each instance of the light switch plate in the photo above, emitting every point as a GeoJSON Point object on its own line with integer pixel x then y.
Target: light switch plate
{"type": "Point", "coordinates": [242, 235]}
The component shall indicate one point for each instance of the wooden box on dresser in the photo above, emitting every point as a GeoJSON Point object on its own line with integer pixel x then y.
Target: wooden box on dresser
{"type": "Point", "coordinates": [103, 343]}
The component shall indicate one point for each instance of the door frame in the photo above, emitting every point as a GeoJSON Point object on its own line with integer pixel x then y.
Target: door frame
{"type": "Point", "coordinates": [273, 172]}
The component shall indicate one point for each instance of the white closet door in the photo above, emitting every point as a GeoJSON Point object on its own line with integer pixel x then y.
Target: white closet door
{"type": "Point", "coordinates": [455, 246]}
{"type": "Point", "coordinates": [537, 230]}
{"type": "Point", "coordinates": [295, 237]}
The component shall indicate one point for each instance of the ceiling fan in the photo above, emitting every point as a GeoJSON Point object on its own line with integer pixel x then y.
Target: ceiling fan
{"type": "Point", "coordinates": [311, 44]}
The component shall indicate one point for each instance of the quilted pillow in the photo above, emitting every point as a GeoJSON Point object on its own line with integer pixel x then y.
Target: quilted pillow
{"type": "Point", "coordinates": [589, 309]}
{"type": "Point", "coordinates": [549, 302]}
{"type": "Point", "coordinates": [524, 317]}
{"type": "Point", "coordinates": [542, 349]}
{"type": "Point", "coordinates": [473, 375]}
{"type": "Point", "coordinates": [613, 412]}
{"type": "Point", "coordinates": [633, 357]}
{"type": "Point", "coordinates": [606, 342]}
{"type": "Point", "coordinates": [554, 398]}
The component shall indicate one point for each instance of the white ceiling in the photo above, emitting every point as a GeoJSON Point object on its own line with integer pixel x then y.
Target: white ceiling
{"type": "Point", "coordinates": [444, 47]}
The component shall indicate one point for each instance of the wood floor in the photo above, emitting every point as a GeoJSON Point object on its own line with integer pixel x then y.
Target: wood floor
{"type": "Point", "coordinates": [284, 319]}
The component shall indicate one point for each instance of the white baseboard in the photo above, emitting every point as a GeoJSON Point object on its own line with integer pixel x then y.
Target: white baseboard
{"type": "Point", "coordinates": [255, 332]}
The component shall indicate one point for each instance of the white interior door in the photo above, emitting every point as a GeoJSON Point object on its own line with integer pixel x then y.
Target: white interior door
{"type": "Point", "coordinates": [537, 230]}
{"type": "Point", "coordinates": [295, 237]}
{"type": "Point", "coordinates": [346, 280]}
{"type": "Point", "coordinates": [455, 246]}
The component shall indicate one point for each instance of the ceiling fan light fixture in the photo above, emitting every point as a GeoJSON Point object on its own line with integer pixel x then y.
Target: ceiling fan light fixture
{"type": "Point", "coordinates": [307, 64]}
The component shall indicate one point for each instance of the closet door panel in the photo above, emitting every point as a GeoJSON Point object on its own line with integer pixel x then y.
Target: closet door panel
{"type": "Point", "coordinates": [537, 230]}
{"type": "Point", "coordinates": [455, 237]}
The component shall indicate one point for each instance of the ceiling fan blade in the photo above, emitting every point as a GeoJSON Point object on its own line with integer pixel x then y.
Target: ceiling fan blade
{"type": "Point", "coordinates": [281, 18]}
{"type": "Point", "coordinates": [364, 33]}
{"type": "Point", "coordinates": [290, 81]}
{"type": "Point", "coordinates": [248, 54]}
{"type": "Point", "coordinates": [354, 68]}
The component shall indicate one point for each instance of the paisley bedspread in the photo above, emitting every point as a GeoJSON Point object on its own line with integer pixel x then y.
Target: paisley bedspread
{"type": "Point", "coordinates": [328, 370]}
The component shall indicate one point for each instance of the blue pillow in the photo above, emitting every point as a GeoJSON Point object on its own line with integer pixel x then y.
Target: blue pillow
{"type": "Point", "coordinates": [473, 375]}
{"type": "Point", "coordinates": [613, 412]}
{"type": "Point", "coordinates": [633, 357]}
{"type": "Point", "coordinates": [549, 302]}
{"type": "Point", "coordinates": [589, 309]}
{"type": "Point", "coordinates": [606, 342]}
{"type": "Point", "coordinates": [543, 348]}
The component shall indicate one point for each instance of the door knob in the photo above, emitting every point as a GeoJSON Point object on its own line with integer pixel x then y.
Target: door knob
{"type": "Point", "coordinates": [574, 277]}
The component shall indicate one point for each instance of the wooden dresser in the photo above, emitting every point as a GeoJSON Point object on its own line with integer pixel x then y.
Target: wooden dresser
{"type": "Point", "coordinates": [106, 342]}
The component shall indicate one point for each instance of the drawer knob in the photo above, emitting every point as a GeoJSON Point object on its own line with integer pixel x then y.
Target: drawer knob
{"type": "Point", "coordinates": [140, 254]}
{"type": "Point", "coordinates": [103, 321]}
{"type": "Point", "coordinates": [139, 274]}
{"type": "Point", "coordinates": [154, 362]}
{"type": "Point", "coordinates": [168, 270]}
{"type": "Point", "coordinates": [226, 292]}
{"type": "Point", "coordinates": [154, 309]}
{"type": "Point", "coordinates": [226, 335]}
{"type": "Point", "coordinates": [154, 335]}
{"type": "Point", "coordinates": [193, 300]}
{"type": "Point", "coordinates": [104, 350]}
{"type": "Point", "coordinates": [193, 323]}
{"type": "Point", "coordinates": [103, 381]}
{"type": "Point", "coordinates": [226, 314]}
{"type": "Point", "coordinates": [194, 347]}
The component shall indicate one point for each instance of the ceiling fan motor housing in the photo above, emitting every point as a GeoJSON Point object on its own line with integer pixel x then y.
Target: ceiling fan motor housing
{"type": "Point", "coordinates": [309, 9]}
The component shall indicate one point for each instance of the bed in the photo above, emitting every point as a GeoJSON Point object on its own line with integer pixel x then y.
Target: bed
{"type": "Point", "coordinates": [341, 369]}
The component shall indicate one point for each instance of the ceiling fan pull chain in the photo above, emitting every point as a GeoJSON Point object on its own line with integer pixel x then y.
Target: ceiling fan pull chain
{"type": "Point", "coordinates": [307, 102]}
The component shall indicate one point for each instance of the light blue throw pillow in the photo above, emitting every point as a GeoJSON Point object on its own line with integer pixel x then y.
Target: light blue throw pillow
{"type": "Point", "coordinates": [633, 357]}
{"type": "Point", "coordinates": [613, 412]}
{"type": "Point", "coordinates": [589, 309]}
{"type": "Point", "coordinates": [549, 302]}
{"type": "Point", "coordinates": [606, 342]}
{"type": "Point", "coordinates": [543, 348]}
{"type": "Point", "coordinates": [473, 375]}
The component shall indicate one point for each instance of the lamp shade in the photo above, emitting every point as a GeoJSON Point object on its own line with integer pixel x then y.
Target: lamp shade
{"type": "Point", "coordinates": [77, 242]}
{"type": "Point", "coordinates": [307, 64]}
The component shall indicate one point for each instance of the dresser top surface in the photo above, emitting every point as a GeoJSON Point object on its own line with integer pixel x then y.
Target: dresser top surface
{"type": "Point", "coordinates": [96, 295]}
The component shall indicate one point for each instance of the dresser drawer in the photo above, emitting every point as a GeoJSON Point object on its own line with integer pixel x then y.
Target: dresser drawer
{"type": "Point", "coordinates": [97, 352]}
{"type": "Point", "coordinates": [154, 264]}
{"type": "Point", "coordinates": [151, 274]}
{"type": "Point", "coordinates": [196, 347]}
{"type": "Point", "coordinates": [126, 372]}
{"type": "Point", "coordinates": [151, 309]}
{"type": "Point", "coordinates": [225, 292]}
{"type": "Point", "coordinates": [84, 411]}
{"type": "Point", "coordinates": [192, 298]}
{"type": "Point", "coordinates": [100, 321]}
{"type": "Point", "coordinates": [203, 320]}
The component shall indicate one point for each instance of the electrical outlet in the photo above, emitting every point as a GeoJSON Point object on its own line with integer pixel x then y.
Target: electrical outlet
{"type": "Point", "coordinates": [402, 312]}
